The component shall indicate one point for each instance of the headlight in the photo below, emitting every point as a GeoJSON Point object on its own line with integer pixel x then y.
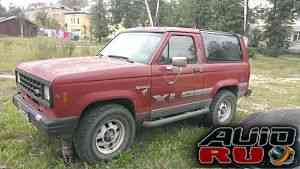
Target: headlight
{"type": "Point", "coordinates": [47, 93]}
{"type": "Point", "coordinates": [18, 77]}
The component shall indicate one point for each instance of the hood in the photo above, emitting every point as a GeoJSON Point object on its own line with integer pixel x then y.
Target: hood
{"type": "Point", "coordinates": [82, 69]}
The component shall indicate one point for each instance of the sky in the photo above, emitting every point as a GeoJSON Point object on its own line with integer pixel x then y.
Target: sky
{"type": "Point", "coordinates": [25, 3]}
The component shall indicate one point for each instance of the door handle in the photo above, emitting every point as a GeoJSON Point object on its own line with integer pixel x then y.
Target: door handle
{"type": "Point", "coordinates": [197, 70]}
{"type": "Point", "coordinates": [169, 68]}
{"type": "Point", "coordinates": [171, 82]}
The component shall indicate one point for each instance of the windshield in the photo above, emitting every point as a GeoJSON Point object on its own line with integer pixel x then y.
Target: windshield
{"type": "Point", "coordinates": [137, 47]}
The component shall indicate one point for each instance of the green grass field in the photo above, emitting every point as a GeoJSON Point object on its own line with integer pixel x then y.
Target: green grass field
{"type": "Point", "coordinates": [17, 50]}
{"type": "Point", "coordinates": [275, 83]}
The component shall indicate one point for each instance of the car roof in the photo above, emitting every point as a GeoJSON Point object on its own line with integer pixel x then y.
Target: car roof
{"type": "Point", "coordinates": [163, 29]}
{"type": "Point", "coordinates": [175, 29]}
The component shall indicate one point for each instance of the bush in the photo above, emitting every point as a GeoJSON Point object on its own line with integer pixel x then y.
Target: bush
{"type": "Point", "coordinates": [252, 52]}
{"type": "Point", "coordinates": [255, 38]}
{"type": "Point", "coordinates": [273, 52]}
{"type": "Point", "coordinates": [42, 48]}
{"type": "Point", "coordinates": [68, 49]}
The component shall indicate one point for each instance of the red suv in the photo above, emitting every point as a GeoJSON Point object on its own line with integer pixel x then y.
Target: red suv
{"type": "Point", "coordinates": [148, 76]}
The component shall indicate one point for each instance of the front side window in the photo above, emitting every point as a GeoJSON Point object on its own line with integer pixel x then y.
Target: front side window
{"type": "Point", "coordinates": [138, 47]}
{"type": "Point", "coordinates": [179, 46]}
{"type": "Point", "coordinates": [222, 47]}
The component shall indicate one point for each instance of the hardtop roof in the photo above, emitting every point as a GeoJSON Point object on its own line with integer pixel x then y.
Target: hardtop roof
{"type": "Point", "coordinates": [176, 29]}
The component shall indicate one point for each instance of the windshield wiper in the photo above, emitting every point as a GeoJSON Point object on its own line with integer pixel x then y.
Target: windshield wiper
{"type": "Point", "coordinates": [121, 57]}
{"type": "Point", "coordinates": [99, 54]}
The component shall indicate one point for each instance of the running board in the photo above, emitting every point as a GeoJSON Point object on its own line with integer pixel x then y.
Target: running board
{"type": "Point", "coordinates": [172, 119]}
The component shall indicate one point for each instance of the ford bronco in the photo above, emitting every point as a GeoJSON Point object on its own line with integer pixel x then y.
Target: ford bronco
{"type": "Point", "coordinates": [147, 76]}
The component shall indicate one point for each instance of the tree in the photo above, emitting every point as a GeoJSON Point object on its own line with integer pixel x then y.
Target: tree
{"type": "Point", "coordinates": [43, 20]}
{"type": "Point", "coordinates": [74, 3]}
{"type": "Point", "coordinates": [135, 13]}
{"type": "Point", "coordinates": [129, 13]}
{"type": "Point", "coordinates": [278, 21]}
{"type": "Point", "coordinates": [12, 11]}
{"type": "Point", "coordinates": [221, 15]}
{"type": "Point", "coordinates": [3, 11]}
{"type": "Point", "coordinates": [100, 23]}
{"type": "Point", "coordinates": [15, 11]}
{"type": "Point", "coordinates": [171, 14]}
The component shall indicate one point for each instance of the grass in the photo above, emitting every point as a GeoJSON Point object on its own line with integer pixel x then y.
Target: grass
{"type": "Point", "coordinates": [17, 50]}
{"type": "Point", "coordinates": [275, 83]}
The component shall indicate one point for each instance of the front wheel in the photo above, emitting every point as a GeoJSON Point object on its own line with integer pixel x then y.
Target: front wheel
{"type": "Point", "coordinates": [104, 132]}
{"type": "Point", "coordinates": [223, 108]}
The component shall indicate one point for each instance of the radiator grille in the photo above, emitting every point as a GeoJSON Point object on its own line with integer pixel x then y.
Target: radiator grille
{"type": "Point", "coordinates": [31, 86]}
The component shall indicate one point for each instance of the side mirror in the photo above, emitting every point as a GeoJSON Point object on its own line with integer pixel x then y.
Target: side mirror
{"type": "Point", "coordinates": [179, 61]}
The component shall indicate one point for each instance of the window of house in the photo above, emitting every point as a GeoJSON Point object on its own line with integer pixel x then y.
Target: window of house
{"type": "Point", "coordinates": [179, 46]}
{"type": "Point", "coordinates": [78, 21]}
{"type": "Point", "coordinates": [296, 36]}
{"type": "Point", "coordinates": [222, 47]}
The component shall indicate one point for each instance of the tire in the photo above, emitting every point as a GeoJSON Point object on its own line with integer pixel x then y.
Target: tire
{"type": "Point", "coordinates": [218, 110]}
{"type": "Point", "coordinates": [100, 126]}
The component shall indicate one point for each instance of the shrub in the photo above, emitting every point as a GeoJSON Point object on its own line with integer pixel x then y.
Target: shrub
{"type": "Point", "coordinates": [255, 38]}
{"type": "Point", "coordinates": [273, 52]}
{"type": "Point", "coordinates": [68, 49]}
{"type": "Point", "coordinates": [43, 48]}
{"type": "Point", "coordinates": [252, 52]}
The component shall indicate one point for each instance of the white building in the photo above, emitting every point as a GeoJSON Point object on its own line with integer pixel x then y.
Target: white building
{"type": "Point", "coordinates": [294, 37]}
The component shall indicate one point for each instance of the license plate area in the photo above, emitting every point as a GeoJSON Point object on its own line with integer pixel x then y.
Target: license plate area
{"type": "Point", "coordinates": [25, 115]}
{"type": "Point", "coordinates": [29, 113]}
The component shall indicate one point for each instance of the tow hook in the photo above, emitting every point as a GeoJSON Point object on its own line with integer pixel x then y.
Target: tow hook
{"type": "Point", "coordinates": [67, 152]}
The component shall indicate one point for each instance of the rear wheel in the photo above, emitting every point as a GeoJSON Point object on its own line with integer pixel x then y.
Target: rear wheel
{"type": "Point", "coordinates": [104, 132]}
{"type": "Point", "coordinates": [223, 108]}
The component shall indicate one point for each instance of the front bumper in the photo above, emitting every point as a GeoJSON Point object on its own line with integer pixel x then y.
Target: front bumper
{"type": "Point", "coordinates": [53, 127]}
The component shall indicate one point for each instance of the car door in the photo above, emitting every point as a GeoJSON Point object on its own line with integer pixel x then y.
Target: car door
{"type": "Point", "coordinates": [173, 88]}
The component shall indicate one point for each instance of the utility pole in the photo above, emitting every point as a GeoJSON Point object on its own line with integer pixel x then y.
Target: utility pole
{"type": "Point", "coordinates": [21, 19]}
{"type": "Point", "coordinates": [157, 13]}
{"type": "Point", "coordinates": [149, 13]}
{"type": "Point", "coordinates": [275, 7]}
{"type": "Point", "coordinates": [246, 3]}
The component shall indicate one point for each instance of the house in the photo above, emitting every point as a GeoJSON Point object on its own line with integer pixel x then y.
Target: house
{"type": "Point", "coordinates": [293, 38]}
{"type": "Point", "coordinates": [55, 12]}
{"type": "Point", "coordinates": [17, 26]}
{"type": "Point", "coordinates": [79, 24]}
{"type": "Point", "coordinates": [37, 5]}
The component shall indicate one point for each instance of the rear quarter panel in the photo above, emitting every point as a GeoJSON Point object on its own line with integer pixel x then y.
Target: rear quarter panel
{"type": "Point", "coordinates": [222, 74]}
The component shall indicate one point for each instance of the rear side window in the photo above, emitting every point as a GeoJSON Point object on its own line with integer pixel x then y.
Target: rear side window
{"type": "Point", "coordinates": [222, 47]}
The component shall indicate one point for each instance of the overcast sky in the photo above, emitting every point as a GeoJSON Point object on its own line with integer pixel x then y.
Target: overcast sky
{"type": "Point", "coordinates": [25, 3]}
